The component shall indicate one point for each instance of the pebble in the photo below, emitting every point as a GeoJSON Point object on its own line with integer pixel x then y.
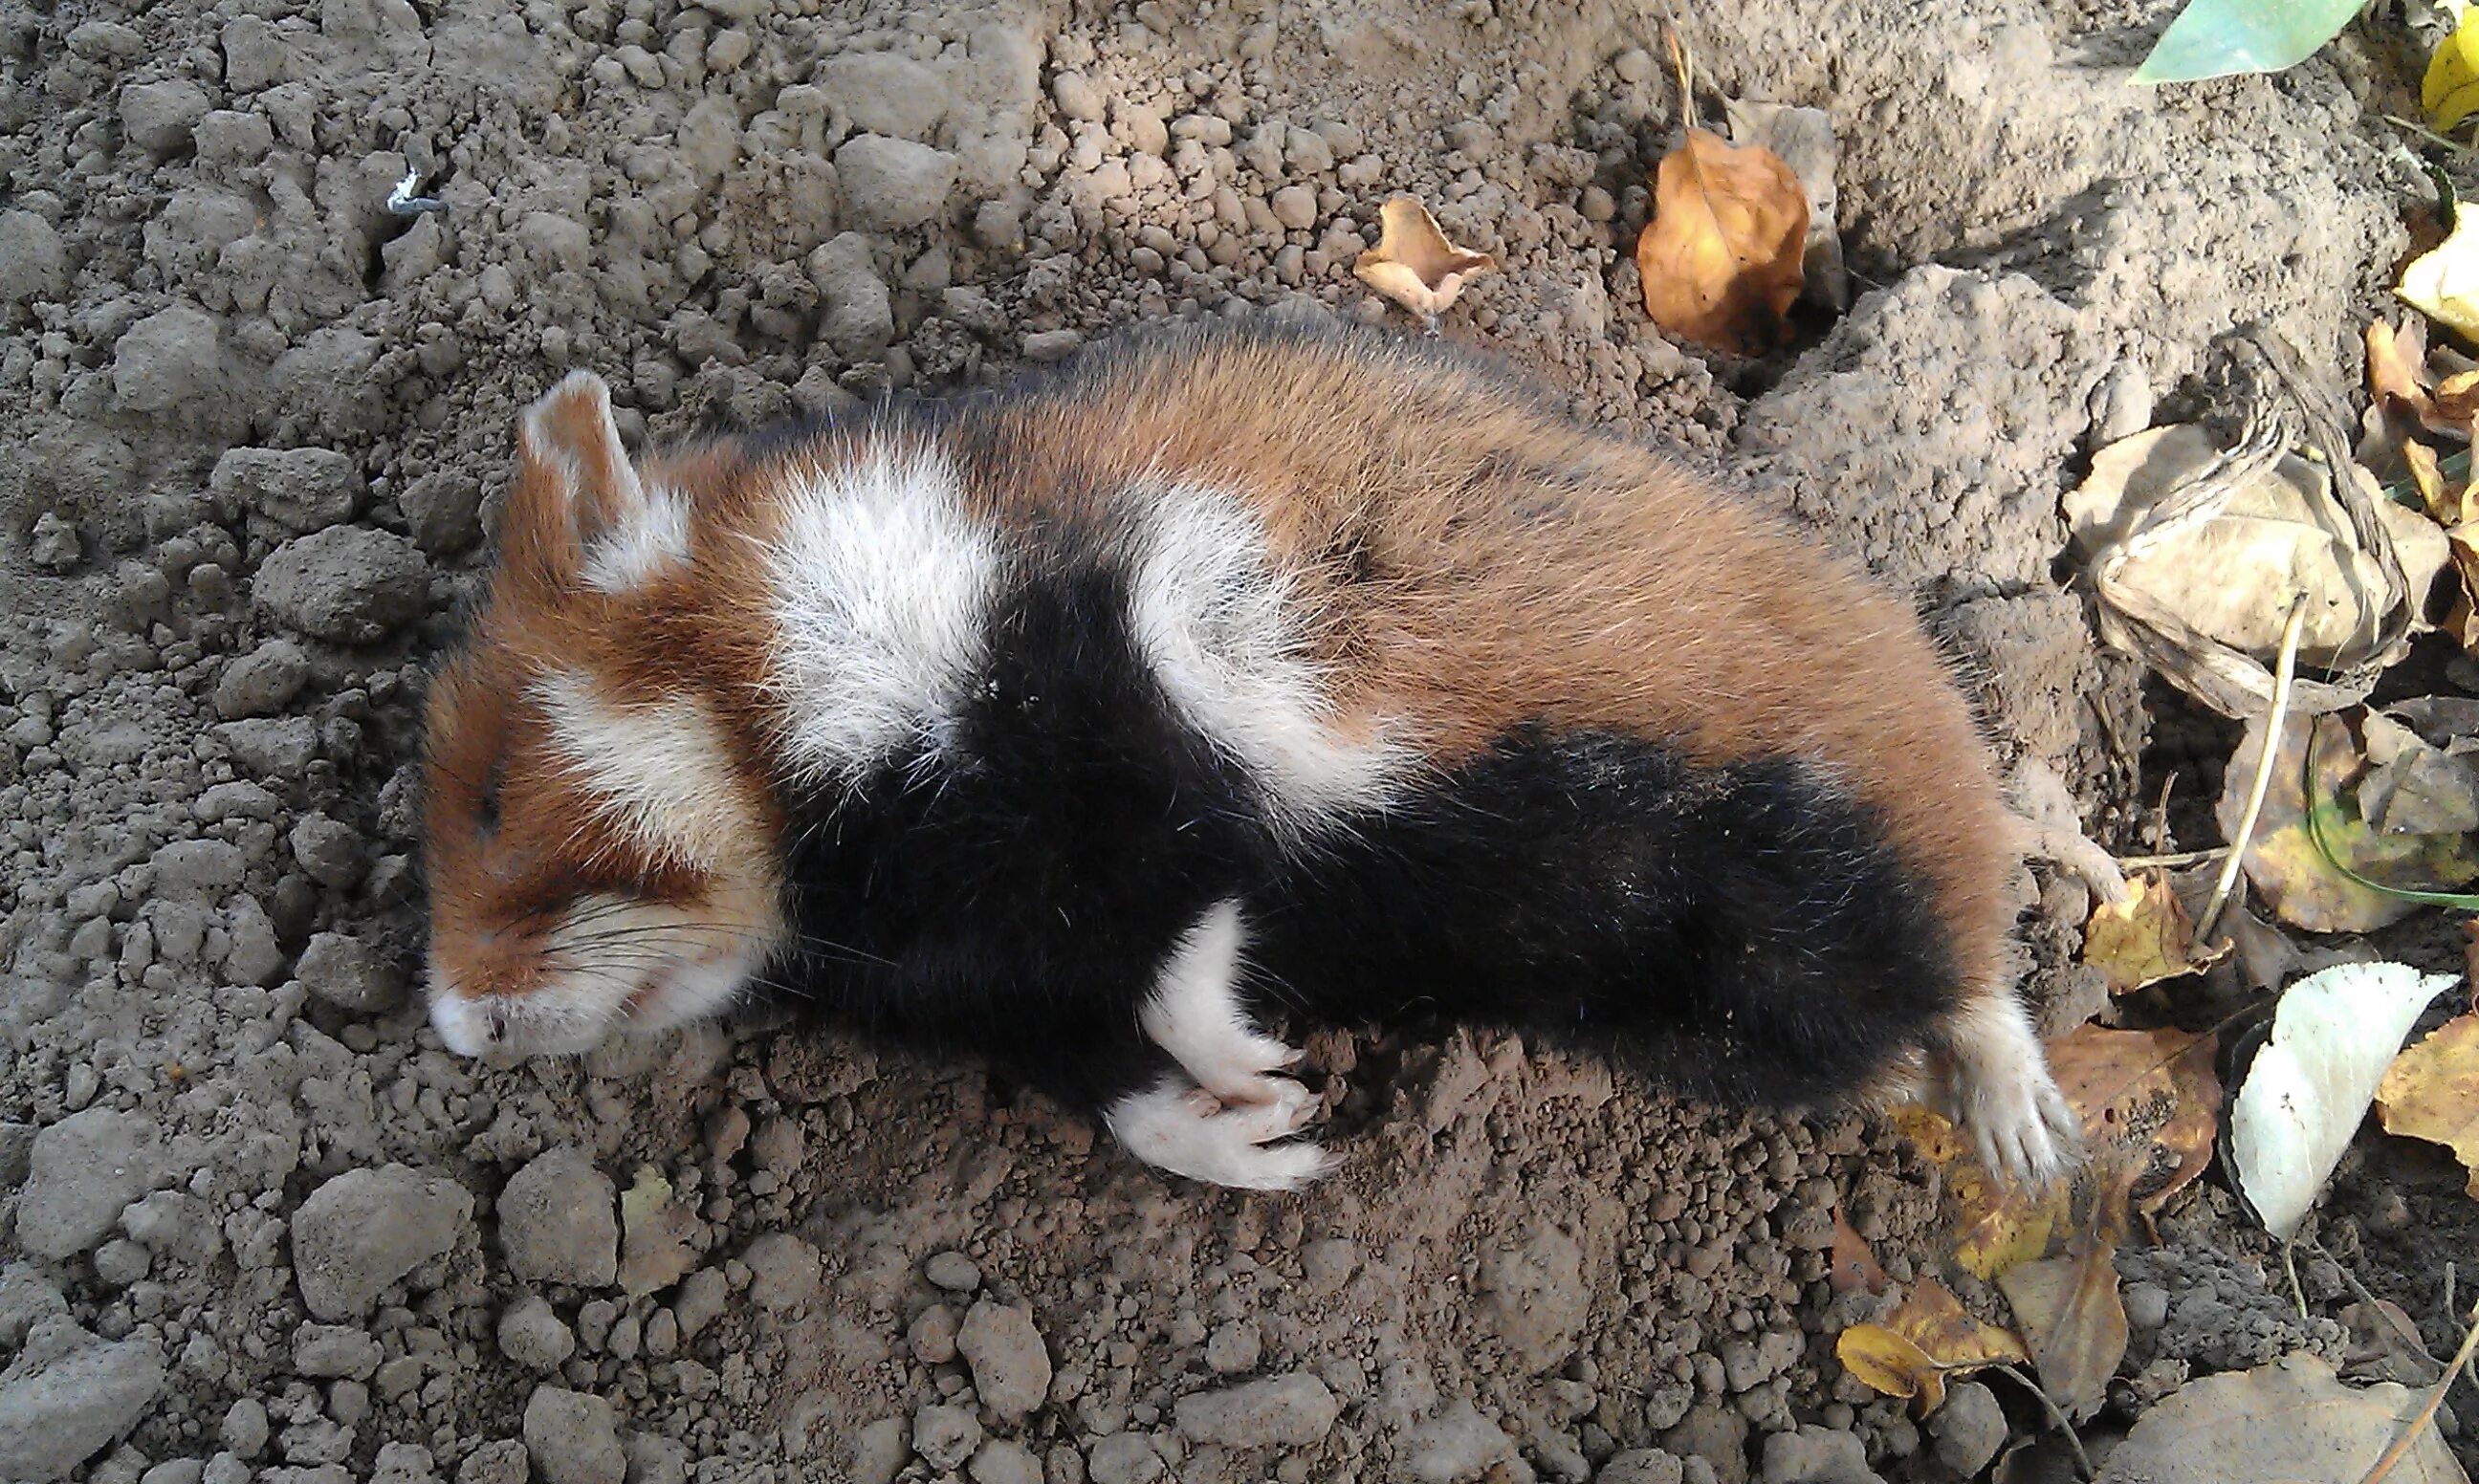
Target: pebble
{"type": "Point", "coordinates": [2147, 1306]}
{"type": "Point", "coordinates": [34, 264]}
{"type": "Point", "coordinates": [891, 183]}
{"type": "Point", "coordinates": [945, 1435]}
{"type": "Point", "coordinates": [402, 1463]}
{"type": "Point", "coordinates": [158, 117]}
{"type": "Point", "coordinates": [1045, 347]}
{"type": "Point", "coordinates": [953, 1272]}
{"type": "Point", "coordinates": [574, 1438]}
{"type": "Point", "coordinates": [328, 1351]}
{"type": "Point", "coordinates": [531, 1334]}
{"type": "Point", "coordinates": [1816, 1455]}
{"type": "Point", "coordinates": [1969, 1428]}
{"type": "Point", "coordinates": [500, 1461]}
{"type": "Point", "coordinates": [443, 509]}
{"type": "Point", "coordinates": [1077, 98]}
{"type": "Point", "coordinates": [885, 92]}
{"type": "Point", "coordinates": [343, 971]}
{"type": "Point", "coordinates": [303, 489]}
{"type": "Point", "coordinates": [557, 1221]}
{"type": "Point", "coordinates": [79, 1172]}
{"type": "Point", "coordinates": [262, 681]}
{"type": "Point", "coordinates": [83, 1396]}
{"type": "Point", "coordinates": [1010, 1367]}
{"type": "Point", "coordinates": [208, 868]}
{"type": "Point", "coordinates": [654, 1459]}
{"type": "Point", "coordinates": [171, 361]}
{"type": "Point", "coordinates": [365, 1229]}
{"type": "Point", "coordinates": [1289, 1411]}
{"type": "Point", "coordinates": [244, 1430]}
{"type": "Point", "coordinates": [880, 1451]}
{"type": "Point", "coordinates": [1004, 1461]}
{"type": "Point", "coordinates": [329, 851]}
{"type": "Point", "coordinates": [1295, 207]}
{"type": "Point", "coordinates": [27, 1298]}
{"type": "Point", "coordinates": [783, 1271]}
{"type": "Point", "coordinates": [347, 584]}
{"type": "Point", "coordinates": [932, 1335]}
{"type": "Point", "coordinates": [1233, 1349]}
{"type": "Point", "coordinates": [1642, 1466]}
{"type": "Point", "coordinates": [1458, 1445]}
{"type": "Point", "coordinates": [1633, 65]}
{"type": "Point", "coordinates": [858, 316]}
{"type": "Point", "coordinates": [1124, 1458]}
{"type": "Point", "coordinates": [275, 747]}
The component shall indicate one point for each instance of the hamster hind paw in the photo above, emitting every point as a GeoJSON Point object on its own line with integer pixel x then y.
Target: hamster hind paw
{"type": "Point", "coordinates": [1182, 1128]}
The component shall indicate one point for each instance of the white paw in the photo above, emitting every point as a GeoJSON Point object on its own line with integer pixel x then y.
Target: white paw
{"type": "Point", "coordinates": [1230, 1141]}
{"type": "Point", "coordinates": [2020, 1124]}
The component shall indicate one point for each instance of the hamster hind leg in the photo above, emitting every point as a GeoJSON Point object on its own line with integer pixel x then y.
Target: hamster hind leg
{"type": "Point", "coordinates": [1195, 1014]}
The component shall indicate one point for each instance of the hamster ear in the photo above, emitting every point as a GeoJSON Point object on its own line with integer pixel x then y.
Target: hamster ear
{"type": "Point", "coordinates": [575, 487]}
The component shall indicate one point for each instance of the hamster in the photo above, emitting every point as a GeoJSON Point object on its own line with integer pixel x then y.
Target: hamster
{"type": "Point", "coordinates": [1224, 681]}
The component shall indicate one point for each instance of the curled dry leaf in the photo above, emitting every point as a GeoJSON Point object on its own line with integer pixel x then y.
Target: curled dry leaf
{"type": "Point", "coordinates": [1414, 265]}
{"type": "Point", "coordinates": [2308, 1089]}
{"type": "Point", "coordinates": [2432, 1091]}
{"type": "Point", "coordinates": [1721, 259]}
{"type": "Point", "coordinates": [2293, 1422]}
{"type": "Point", "coordinates": [2073, 1321]}
{"type": "Point", "coordinates": [1852, 1266]}
{"type": "Point", "coordinates": [1927, 1338]}
{"type": "Point", "coordinates": [2284, 863]}
{"type": "Point", "coordinates": [2149, 1108]}
{"type": "Point", "coordinates": [1803, 139]}
{"type": "Point", "coordinates": [2144, 940]}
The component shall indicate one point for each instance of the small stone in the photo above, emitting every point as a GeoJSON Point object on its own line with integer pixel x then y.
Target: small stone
{"type": "Point", "coordinates": [499, 1461]}
{"type": "Point", "coordinates": [244, 1429]}
{"type": "Point", "coordinates": [1288, 1410]}
{"type": "Point", "coordinates": [557, 1221]}
{"type": "Point", "coordinates": [27, 1298]}
{"type": "Point", "coordinates": [1233, 1349]}
{"type": "Point", "coordinates": [34, 264]}
{"type": "Point", "coordinates": [856, 311]}
{"type": "Point", "coordinates": [1124, 1458]}
{"type": "Point", "coordinates": [329, 851]}
{"type": "Point", "coordinates": [574, 1438]}
{"type": "Point", "coordinates": [79, 1172]}
{"type": "Point", "coordinates": [327, 1351]}
{"type": "Point", "coordinates": [880, 1451]}
{"type": "Point", "coordinates": [172, 360]}
{"type": "Point", "coordinates": [783, 1271]}
{"type": "Point", "coordinates": [304, 489]}
{"type": "Point", "coordinates": [1004, 1461]}
{"type": "Point", "coordinates": [1969, 1428]}
{"type": "Point", "coordinates": [1044, 347]}
{"type": "Point", "coordinates": [158, 117]}
{"type": "Point", "coordinates": [1295, 207]}
{"type": "Point", "coordinates": [1816, 1455]}
{"type": "Point", "coordinates": [207, 868]}
{"type": "Point", "coordinates": [402, 1463]}
{"type": "Point", "coordinates": [87, 1394]}
{"type": "Point", "coordinates": [180, 1470]}
{"type": "Point", "coordinates": [262, 681]}
{"type": "Point", "coordinates": [1076, 96]}
{"type": "Point", "coordinates": [778, 1147]}
{"type": "Point", "coordinates": [1632, 65]}
{"type": "Point", "coordinates": [654, 1459]}
{"type": "Point", "coordinates": [531, 1334]}
{"type": "Point", "coordinates": [953, 1272]}
{"type": "Point", "coordinates": [699, 1299]}
{"type": "Point", "coordinates": [1010, 1367]}
{"type": "Point", "coordinates": [365, 1229]}
{"type": "Point", "coordinates": [945, 1436]}
{"type": "Point", "coordinates": [2147, 1307]}
{"type": "Point", "coordinates": [1642, 1466]}
{"type": "Point", "coordinates": [120, 1261]}
{"type": "Point", "coordinates": [932, 1335]}
{"type": "Point", "coordinates": [1457, 1446]}
{"type": "Point", "coordinates": [885, 92]}
{"type": "Point", "coordinates": [273, 747]}
{"type": "Point", "coordinates": [443, 509]}
{"type": "Point", "coordinates": [891, 183]}
{"type": "Point", "coordinates": [349, 585]}
{"type": "Point", "coordinates": [343, 970]}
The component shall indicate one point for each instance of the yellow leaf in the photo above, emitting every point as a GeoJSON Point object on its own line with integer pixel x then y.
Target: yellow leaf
{"type": "Point", "coordinates": [2432, 1091]}
{"type": "Point", "coordinates": [1723, 258]}
{"type": "Point", "coordinates": [1928, 1337]}
{"type": "Point", "coordinates": [2148, 939]}
{"type": "Point", "coordinates": [1996, 1224]}
{"type": "Point", "coordinates": [2443, 284]}
{"type": "Point", "coordinates": [2450, 90]}
{"type": "Point", "coordinates": [2149, 1105]}
{"type": "Point", "coordinates": [1414, 265]}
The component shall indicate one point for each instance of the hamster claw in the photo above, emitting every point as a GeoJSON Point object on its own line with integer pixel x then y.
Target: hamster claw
{"type": "Point", "coordinates": [1189, 1131]}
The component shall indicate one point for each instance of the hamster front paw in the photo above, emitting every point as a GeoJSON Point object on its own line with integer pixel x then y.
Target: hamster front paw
{"type": "Point", "coordinates": [1187, 1130]}
{"type": "Point", "coordinates": [1993, 1080]}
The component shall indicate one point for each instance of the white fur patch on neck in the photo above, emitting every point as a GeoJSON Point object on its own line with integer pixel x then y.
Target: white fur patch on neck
{"type": "Point", "coordinates": [1211, 617]}
{"type": "Point", "coordinates": [652, 535]}
{"type": "Point", "coordinates": [882, 593]}
{"type": "Point", "coordinates": [662, 768]}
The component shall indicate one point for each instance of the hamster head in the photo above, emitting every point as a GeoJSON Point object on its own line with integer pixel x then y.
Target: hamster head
{"type": "Point", "coordinates": [599, 842]}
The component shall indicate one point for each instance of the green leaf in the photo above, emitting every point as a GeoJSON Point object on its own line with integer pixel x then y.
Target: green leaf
{"type": "Point", "coordinates": [2220, 37]}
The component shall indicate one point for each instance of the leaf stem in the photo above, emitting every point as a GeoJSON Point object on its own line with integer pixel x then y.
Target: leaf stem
{"type": "Point", "coordinates": [2056, 1415]}
{"type": "Point", "coordinates": [2419, 1425]}
{"type": "Point", "coordinates": [2284, 671]}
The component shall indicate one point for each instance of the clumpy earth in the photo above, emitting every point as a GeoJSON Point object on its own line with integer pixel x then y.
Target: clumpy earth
{"type": "Point", "coordinates": [259, 1225]}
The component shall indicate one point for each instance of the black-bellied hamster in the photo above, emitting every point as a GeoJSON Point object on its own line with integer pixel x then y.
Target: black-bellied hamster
{"type": "Point", "coordinates": [1224, 679]}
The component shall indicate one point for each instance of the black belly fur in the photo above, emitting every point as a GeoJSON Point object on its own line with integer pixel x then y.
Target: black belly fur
{"type": "Point", "coordinates": [1742, 933]}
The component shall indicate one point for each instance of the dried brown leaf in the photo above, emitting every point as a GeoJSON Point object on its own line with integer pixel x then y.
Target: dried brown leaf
{"type": "Point", "coordinates": [1414, 264]}
{"type": "Point", "coordinates": [2150, 1107]}
{"type": "Point", "coordinates": [2290, 1421]}
{"type": "Point", "coordinates": [2073, 1320]}
{"type": "Point", "coordinates": [1721, 259]}
{"type": "Point", "coordinates": [1852, 1266]}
